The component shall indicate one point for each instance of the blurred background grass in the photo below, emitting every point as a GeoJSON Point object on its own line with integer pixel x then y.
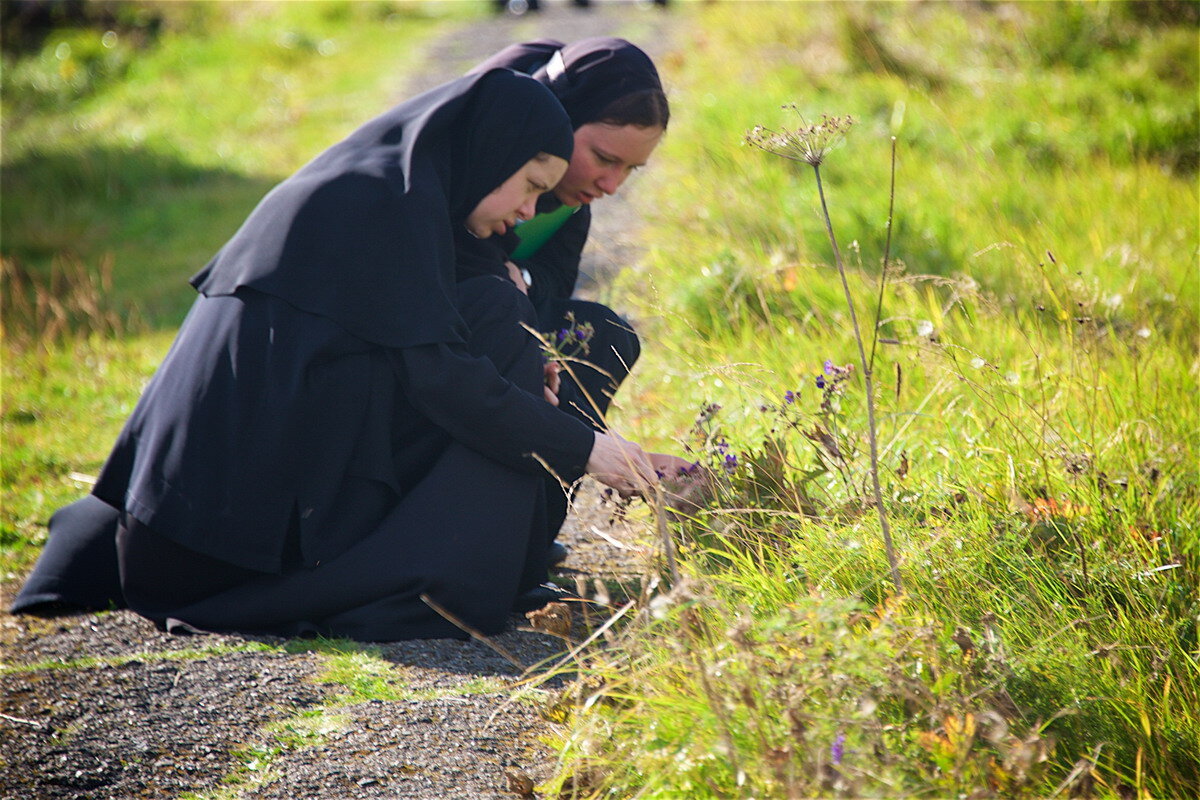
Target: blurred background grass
{"type": "Point", "coordinates": [147, 131]}
{"type": "Point", "coordinates": [1037, 367]}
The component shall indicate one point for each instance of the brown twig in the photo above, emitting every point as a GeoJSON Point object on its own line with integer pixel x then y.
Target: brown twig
{"type": "Point", "coordinates": [474, 634]}
{"type": "Point", "coordinates": [660, 519]}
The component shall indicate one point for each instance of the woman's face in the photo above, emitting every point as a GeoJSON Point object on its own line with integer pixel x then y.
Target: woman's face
{"type": "Point", "coordinates": [605, 155]}
{"type": "Point", "coordinates": [516, 198]}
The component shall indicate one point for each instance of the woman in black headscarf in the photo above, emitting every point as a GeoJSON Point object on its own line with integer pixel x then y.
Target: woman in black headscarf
{"type": "Point", "coordinates": [612, 93]}
{"type": "Point", "coordinates": [340, 427]}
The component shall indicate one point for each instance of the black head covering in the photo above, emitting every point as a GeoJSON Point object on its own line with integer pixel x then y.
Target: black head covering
{"type": "Point", "coordinates": [586, 76]}
{"type": "Point", "coordinates": [363, 234]}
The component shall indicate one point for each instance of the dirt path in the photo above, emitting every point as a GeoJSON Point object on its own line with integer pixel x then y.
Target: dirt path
{"type": "Point", "coordinates": [105, 706]}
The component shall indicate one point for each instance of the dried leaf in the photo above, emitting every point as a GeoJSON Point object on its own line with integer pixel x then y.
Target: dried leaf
{"type": "Point", "coordinates": [553, 618]}
{"type": "Point", "coordinates": [519, 783]}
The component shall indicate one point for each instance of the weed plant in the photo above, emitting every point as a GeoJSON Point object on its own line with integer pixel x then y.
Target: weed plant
{"type": "Point", "coordinates": [1038, 432]}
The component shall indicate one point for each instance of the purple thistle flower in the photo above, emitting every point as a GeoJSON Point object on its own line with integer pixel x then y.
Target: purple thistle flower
{"type": "Point", "coordinates": [838, 748]}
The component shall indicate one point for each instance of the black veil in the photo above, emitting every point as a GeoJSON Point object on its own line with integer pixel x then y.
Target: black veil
{"type": "Point", "coordinates": [363, 234]}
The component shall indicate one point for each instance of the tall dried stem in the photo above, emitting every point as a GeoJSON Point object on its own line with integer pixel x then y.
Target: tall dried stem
{"type": "Point", "coordinates": [811, 144]}
{"type": "Point", "coordinates": [870, 384]}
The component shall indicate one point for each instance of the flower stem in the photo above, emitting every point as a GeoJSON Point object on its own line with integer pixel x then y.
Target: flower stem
{"type": "Point", "coordinates": [870, 384]}
{"type": "Point", "coordinates": [887, 255]}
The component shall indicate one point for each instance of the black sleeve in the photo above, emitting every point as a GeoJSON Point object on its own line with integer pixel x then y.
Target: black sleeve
{"type": "Point", "coordinates": [555, 267]}
{"type": "Point", "coordinates": [478, 407]}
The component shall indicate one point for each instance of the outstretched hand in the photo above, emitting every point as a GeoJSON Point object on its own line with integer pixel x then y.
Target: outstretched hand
{"type": "Point", "coordinates": [685, 486]}
{"type": "Point", "coordinates": [621, 464]}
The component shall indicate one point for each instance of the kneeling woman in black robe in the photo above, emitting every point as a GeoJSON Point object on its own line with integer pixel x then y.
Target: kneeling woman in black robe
{"type": "Point", "coordinates": [339, 427]}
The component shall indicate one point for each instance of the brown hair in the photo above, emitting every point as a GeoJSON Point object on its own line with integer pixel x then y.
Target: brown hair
{"type": "Point", "coordinates": [647, 108]}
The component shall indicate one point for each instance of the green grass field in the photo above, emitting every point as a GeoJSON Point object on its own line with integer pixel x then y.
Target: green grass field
{"type": "Point", "coordinates": [1036, 377]}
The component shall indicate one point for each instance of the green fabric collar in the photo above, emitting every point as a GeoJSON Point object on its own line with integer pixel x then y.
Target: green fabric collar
{"type": "Point", "coordinates": [536, 232]}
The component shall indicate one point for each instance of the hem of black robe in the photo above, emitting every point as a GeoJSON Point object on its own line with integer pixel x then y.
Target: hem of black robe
{"type": "Point", "coordinates": [56, 604]}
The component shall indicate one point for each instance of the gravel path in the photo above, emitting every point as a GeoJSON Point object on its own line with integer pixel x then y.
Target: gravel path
{"type": "Point", "coordinates": [105, 706]}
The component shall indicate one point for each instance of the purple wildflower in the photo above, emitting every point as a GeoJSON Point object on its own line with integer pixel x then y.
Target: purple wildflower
{"type": "Point", "coordinates": [789, 397]}
{"type": "Point", "coordinates": [829, 367]}
{"type": "Point", "coordinates": [821, 380]}
{"type": "Point", "coordinates": [722, 446]}
{"type": "Point", "coordinates": [691, 469]}
{"type": "Point", "coordinates": [838, 748]}
{"type": "Point", "coordinates": [731, 463]}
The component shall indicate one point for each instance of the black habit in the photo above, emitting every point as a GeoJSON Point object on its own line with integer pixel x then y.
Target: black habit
{"type": "Point", "coordinates": [340, 425]}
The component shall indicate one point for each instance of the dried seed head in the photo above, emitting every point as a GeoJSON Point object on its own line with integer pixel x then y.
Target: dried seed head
{"type": "Point", "coordinates": [554, 619]}
{"type": "Point", "coordinates": [807, 143]}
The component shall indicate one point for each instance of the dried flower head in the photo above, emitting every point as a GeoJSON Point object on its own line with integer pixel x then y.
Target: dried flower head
{"type": "Point", "coordinates": [553, 618]}
{"type": "Point", "coordinates": [807, 143]}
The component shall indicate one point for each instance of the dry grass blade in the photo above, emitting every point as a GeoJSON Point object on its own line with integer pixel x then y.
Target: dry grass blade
{"type": "Point", "coordinates": [474, 634]}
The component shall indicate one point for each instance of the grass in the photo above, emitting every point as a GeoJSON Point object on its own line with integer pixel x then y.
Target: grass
{"type": "Point", "coordinates": [151, 149]}
{"type": "Point", "coordinates": [91, 662]}
{"type": "Point", "coordinates": [1036, 377]}
{"type": "Point", "coordinates": [1038, 432]}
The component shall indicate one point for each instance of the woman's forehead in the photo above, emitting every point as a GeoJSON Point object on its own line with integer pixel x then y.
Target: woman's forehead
{"type": "Point", "coordinates": [546, 171]}
{"type": "Point", "coordinates": [632, 144]}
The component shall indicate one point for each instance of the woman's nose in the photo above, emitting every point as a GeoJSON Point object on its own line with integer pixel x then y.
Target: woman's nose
{"type": "Point", "coordinates": [528, 208]}
{"type": "Point", "coordinates": [609, 182]}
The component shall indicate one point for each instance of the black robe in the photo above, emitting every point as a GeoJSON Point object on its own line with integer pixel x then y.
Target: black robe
{"type": "Point", "coordinates": [339, 427]}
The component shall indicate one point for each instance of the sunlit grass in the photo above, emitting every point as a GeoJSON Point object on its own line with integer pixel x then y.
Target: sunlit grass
{"type": "Point", "coordinates": [157, 163]}
{"type": "Point", "coordinates": [1039, 435]}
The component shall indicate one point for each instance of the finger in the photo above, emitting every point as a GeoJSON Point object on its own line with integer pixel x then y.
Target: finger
{"type": "Point", "coordinates": [550, 396]}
